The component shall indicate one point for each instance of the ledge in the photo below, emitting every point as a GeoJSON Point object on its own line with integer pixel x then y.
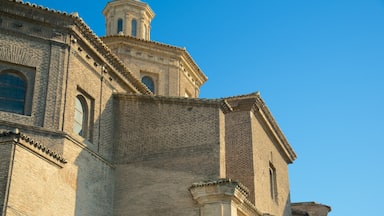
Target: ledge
{"type": "Point", "coordinates": [35, 147]}
{"type": "Point", "coordinates": [224, 191]}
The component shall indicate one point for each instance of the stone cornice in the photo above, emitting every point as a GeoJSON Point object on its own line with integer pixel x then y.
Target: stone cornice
{"type": "Point", "coordinates": [218, 103]}
{"type": "Point", "coordinates": [224, 191]}
{"type": "Point", "coordinates": [71, 22]}
{"type": "Point", "coordinates": [262, 108]}
{"type": "Point", "coordinates": [35, 147]}
{"type": "Point", "coordinates": [237, 185]}
{"type": "Point", "coordinates": [137, 4]}
{"type": "Point", "coordinates": [48, 132]}
{"type": "Point", "coordinates": [309, 206]}
{"type": "Point", "coordinates": [182, 53]}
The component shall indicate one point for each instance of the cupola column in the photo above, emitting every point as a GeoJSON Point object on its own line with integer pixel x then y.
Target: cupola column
{"type": "Point", "coordinates": [127, 25]}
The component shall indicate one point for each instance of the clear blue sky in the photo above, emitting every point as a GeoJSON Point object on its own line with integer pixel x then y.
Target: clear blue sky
{"type": "Point", "coordinates": [319, 66]}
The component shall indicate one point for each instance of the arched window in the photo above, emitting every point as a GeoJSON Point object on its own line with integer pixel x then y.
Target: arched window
{"type": "Point", "coordinates": [12, 92]}
{"type": "Point", "coordinates": [81, 116]}
{"type": "Point", "coordinates": [134, 28]}
{"type": "Point", "coordinates": [119, 25]}
{"type": "Point", "coordinates": [148, 81]}
{"type": "Point", "coordinates": [272, 182]}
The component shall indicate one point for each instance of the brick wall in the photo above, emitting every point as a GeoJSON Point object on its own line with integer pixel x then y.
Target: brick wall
{"type": "Point", "coordinates": [87, 77]}
{"type": "Point", "coordinates": [33, 56]}
{"type": "Point", "coordinates": [60, 68]}
{"type": "Point", "coordinates": [251, 150]}
{"type": "Point", "coordinates": [163, 146]}
{"type": "Point", "coordinates": [239, 150]}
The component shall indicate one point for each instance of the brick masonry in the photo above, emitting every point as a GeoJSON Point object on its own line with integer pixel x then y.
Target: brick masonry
{"type": "Point", "coordinates": [142, 152]}
{"type": "Point", "coordinates": [164, 145]}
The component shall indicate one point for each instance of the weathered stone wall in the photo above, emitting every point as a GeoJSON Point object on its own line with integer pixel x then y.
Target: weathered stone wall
{"type": "Point", "coordinates": [89, 178]}
{"type": "Point", "coordinates": [164, 145]}
{"type": "Point", "coordinates": [82, 186]}
{"type": "Point", "coordinates": [266, 153]}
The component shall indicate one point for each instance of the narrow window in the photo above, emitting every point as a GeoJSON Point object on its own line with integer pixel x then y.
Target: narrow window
{"type": "Point", "coordinates": [272, 182]}
{"type": "Point", "coordinates": [148, 81]}
{"type": "Point", "coordinates": [12, 92]}
{"type": "Point", "coordinates": [81, 116]}
{"type": "Point", "coordinates": [134, 28]}
{"type": "Point", "coordinates": [119, 25]}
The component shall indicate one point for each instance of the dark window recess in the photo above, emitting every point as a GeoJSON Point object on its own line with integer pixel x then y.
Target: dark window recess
{"type": "Point", "coordinates": [119, 26]}
{"type": "Point", "coordinates": [12, 93]}
{"type": "Point", "coordinates": [149, 83]}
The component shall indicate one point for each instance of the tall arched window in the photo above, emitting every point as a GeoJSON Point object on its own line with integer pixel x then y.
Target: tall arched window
{"type": "Point", "coordinates": [148, 81]}
{"type": "Point", "coordinates": [134, 28]}
{"type": "Point", "coordinates": [12, 92]}
{"type": "Point", "coordinates": [119, 25]}
{"type": "Point", "coordinates": [81, 116]}
{"type": "Point", "coordinates": [272, 182]}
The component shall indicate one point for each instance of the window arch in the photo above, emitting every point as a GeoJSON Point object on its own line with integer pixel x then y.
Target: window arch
{"type": "Point", "coordinates": [273, 182]}
{"type": "Point", "coordinates": [80, 125]}
{"type": "Point", "coordinates": [12, 92]}
{"type": "Point", "coordinates": [134, 28]}
{"type": "Point", "coordinates": [148, 81]}
{"type": "Point", "coordinates": [119, 25]}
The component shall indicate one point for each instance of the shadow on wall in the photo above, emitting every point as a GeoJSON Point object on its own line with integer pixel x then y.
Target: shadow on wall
{"type": "Point", "coordinates": [95, 182]}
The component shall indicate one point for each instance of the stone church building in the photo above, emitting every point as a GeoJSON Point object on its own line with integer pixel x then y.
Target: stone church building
{"type": "Point", "coordinates": [114, 125]}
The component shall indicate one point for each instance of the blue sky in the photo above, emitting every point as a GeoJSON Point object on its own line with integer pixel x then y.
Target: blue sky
{"type": "Point", "coordinates": [319, 66]}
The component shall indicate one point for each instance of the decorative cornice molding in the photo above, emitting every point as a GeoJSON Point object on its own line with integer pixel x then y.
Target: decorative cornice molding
{"type": "Point", "coordinates": [35, 146]}
{"type": "Point", "coordinates": [174, 100]}
{"type": "Point", "coordinates": [223, 181]}
{"type": "Point", "coordinates": [226, 107]}
{"type": "Point", "coordinates": [222, 191]}
{"type": "Point", "coordinates": [310, 205]}
{"type": "Point", "coordinates": [48, 132]}
{"type": "Point", "coordinates": [261, 107]}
